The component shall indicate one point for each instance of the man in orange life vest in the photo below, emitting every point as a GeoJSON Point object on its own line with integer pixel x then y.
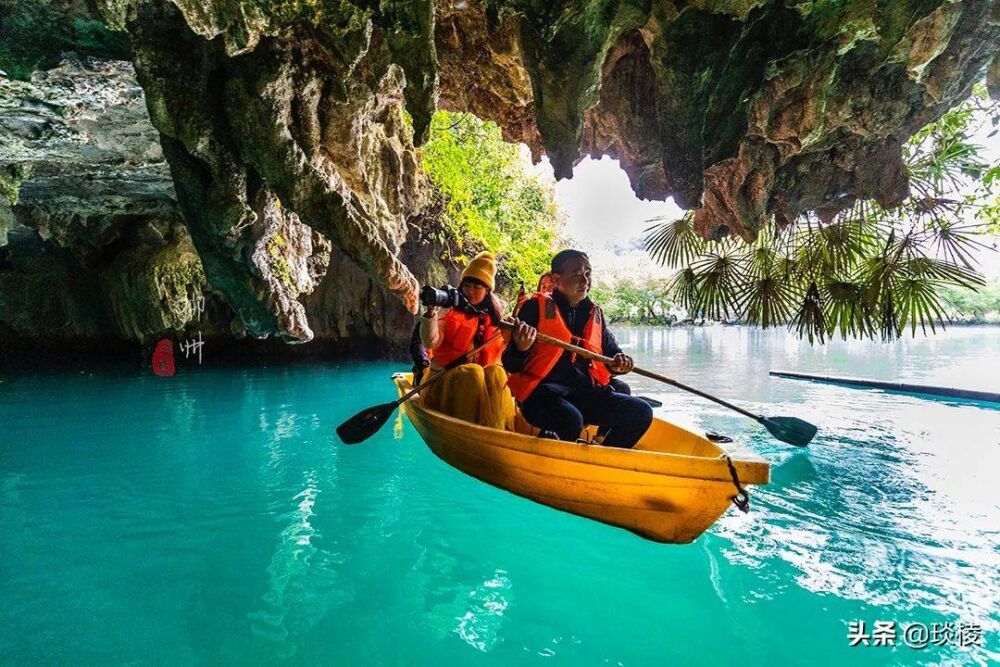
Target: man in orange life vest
{"type": "Point", "coordinates": [560, 391]}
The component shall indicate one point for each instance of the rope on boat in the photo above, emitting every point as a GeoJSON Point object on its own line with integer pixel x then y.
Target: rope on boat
{"type": "Point", "coordinates": [742, 498]}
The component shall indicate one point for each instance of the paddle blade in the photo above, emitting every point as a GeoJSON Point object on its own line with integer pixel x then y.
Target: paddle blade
{"type": "Point", "coordinates": [365, 424]}
{"type": "Point", "coordinates": [651, 402]}
{"type": "Point", "coordinates": [792, 430]}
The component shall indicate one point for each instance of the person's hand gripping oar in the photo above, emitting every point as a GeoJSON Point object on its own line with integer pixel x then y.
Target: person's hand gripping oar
{"type": "Point", "coordinates": [792, 430]}
{"type": "Point", "coordinates": [367, 423]}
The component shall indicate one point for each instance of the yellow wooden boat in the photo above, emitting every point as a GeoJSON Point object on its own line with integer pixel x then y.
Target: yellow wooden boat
{"type": "Point", "coordinates": [670, 488]}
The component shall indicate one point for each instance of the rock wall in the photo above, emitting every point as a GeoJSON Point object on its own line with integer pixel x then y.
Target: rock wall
{"type": "Point", "coordinates": [290, 135]}
{"type": "Point", "coordinates": [289, 127]}
{"type": "Point", "coordinates": [93, 244]}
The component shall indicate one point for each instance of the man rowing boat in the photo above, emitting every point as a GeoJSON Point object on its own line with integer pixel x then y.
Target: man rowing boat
{"type": "Point", "coordinates": [559, 391]}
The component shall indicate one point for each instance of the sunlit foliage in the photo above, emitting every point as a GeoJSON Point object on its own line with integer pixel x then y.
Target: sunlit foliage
{"type": "Point", "coordinates": [493, 199]}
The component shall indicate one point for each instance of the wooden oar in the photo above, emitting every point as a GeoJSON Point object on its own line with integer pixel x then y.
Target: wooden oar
{"type": "Point", "coordinates": [367, 423]}
{"type": "Point", "coordinates": [792, 430]}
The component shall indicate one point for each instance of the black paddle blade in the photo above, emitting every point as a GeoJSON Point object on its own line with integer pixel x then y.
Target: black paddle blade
{"type": "Point", "coordinates": [365, 424]}
{"type": "Point", "coordinates": [792, 430]}
{"type": "Point", "coordinates": [651, 402]}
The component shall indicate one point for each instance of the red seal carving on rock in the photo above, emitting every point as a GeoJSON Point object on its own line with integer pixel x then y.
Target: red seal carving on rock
{"type": "Point", "coordinates": [163, 358]}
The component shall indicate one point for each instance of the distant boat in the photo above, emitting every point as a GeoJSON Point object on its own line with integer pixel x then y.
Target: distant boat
{"type": "Point", "coordinates": [671, 488]}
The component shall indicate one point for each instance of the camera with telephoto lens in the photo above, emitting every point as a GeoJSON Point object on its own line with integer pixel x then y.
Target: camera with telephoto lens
{"type": "Point", "coordinates": [446, 297]}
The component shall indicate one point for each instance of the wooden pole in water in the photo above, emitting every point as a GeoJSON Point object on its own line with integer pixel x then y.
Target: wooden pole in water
{"type": "Point", "coordinates": [952, 392]}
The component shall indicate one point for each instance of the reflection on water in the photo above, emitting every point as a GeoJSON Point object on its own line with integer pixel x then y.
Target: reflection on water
{"type": "Point", "coordinates": [237, 530]}
{"type": "Point", "coordinates": [892, 504]}
{"type": "Point", "coordinates": [301, 578]}
{"type": "Point", "coordinates": [480, 625]}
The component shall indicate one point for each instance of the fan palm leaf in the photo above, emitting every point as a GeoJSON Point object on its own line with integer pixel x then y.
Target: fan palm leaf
{"type": "Point", "coordinates": [673, 243]}
{"type": "Point", "coordinates": [809, 320]}
{"type": "Point", "coordinates": [684, 288]}
{"type": "Point", "coordinates": [767, 301]}
{"type": "Point", "coordinates": [845, 309]}
{"type": "Point", "coordinates": [918, 304]}
{"type": "Point", "coordinates": [941, 271]}
{"type": "Point", "coordinates": [718, 277]}
{"type": "Point", "coordinates": [955, 243]}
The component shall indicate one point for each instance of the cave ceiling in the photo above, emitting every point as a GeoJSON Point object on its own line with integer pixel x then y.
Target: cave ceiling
{"type": "Point", "coordinates": [302, 117]}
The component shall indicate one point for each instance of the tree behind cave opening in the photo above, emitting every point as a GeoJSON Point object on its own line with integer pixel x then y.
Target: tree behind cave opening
{"type": "Point", "coordinates": [493, 199]}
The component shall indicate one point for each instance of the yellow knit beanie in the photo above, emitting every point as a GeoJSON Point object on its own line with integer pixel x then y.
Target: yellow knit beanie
{"type": "Point", "coordinates": [483, 268]}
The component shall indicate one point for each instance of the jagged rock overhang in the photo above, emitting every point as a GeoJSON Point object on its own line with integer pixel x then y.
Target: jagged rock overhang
{"type": "Point", "coordinates": [286, 118]}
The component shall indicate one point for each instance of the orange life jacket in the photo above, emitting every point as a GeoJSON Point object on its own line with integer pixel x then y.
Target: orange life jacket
{"type": "Point", "coordinates": [544, 356]}
{"type": "Point", "coordinates": [459, 330]}
{"type": "Point", "coordinates": [521, 300]}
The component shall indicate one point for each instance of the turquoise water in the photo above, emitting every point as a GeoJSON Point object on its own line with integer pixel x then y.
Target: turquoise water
{"type": "Point", "coordinates": [213, 518]}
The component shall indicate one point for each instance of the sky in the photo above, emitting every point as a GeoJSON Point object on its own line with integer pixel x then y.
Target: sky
{"type": "Point", "coordinates": [605, 219]}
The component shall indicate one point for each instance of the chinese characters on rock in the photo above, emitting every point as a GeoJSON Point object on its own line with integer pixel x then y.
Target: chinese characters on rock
{"type": "Point", "coordinates": [163, 356]}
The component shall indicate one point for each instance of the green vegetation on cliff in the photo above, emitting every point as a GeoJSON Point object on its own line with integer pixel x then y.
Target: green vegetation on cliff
{"type": "Point", "coordinates": [493, 200]}
{"type": "Point", "coordinates": [641, 300]}
{"type": "Point", "coordinates": [11, 177]}
{"type": "Point", "coordinates": [974, 306]}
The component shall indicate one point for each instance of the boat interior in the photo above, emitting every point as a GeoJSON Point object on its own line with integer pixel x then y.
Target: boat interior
{"type": "Point", "coordinates": [662, 436]}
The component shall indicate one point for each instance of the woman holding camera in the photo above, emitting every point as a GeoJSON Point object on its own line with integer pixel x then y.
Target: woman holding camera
{"type": "Point", "coordinates": [477, 390]}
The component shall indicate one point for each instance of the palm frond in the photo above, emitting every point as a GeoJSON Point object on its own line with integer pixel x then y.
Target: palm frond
{"type": "Point", "coordinates": [844, 242]}
{"type": "Point", "coordinates": [941, 271]}
{"type": "Point", "coordinates": [809, 319]}
{"type": "Point", "coordinates": [918, 304]}
{"type": "Point", "coordinates": [767, 301]}
{"type": "Point", "coordinates": [761, 257]}
{"type": "Point", "coordinates": [955, 242]}
{"type": "Point", "coordinates": [684, 288]}
{"type": "Point", "coordinates": [718, 278]}
{"type": "Point", "coordinates": [673, 243]}
{"type": "Point", "coordinates": [845, 311]}
{"type": "Point", "coordinates": [888, 317]}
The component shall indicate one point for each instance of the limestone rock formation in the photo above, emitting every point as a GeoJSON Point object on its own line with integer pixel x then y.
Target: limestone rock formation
{"type": "Point", "coordinates": [309, 121]}
{"type": "Point", "coordinates": [93, 243]}
{"type": "Point", "coordinates": [745, 109]}
{"type": "Point", "coordinates": [289, 127]}
{"type": "Point", "coordinates": [78, 147]}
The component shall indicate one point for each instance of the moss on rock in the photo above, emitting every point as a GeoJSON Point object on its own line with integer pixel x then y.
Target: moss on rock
{"type": "Point", "coordinates": [11, 177]}
{"type": "Point", "coordinates": [150, 291]}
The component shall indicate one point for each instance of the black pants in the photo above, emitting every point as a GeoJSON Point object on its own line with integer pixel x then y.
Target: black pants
{"type": "Point", "coordinates": [565, 411]}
